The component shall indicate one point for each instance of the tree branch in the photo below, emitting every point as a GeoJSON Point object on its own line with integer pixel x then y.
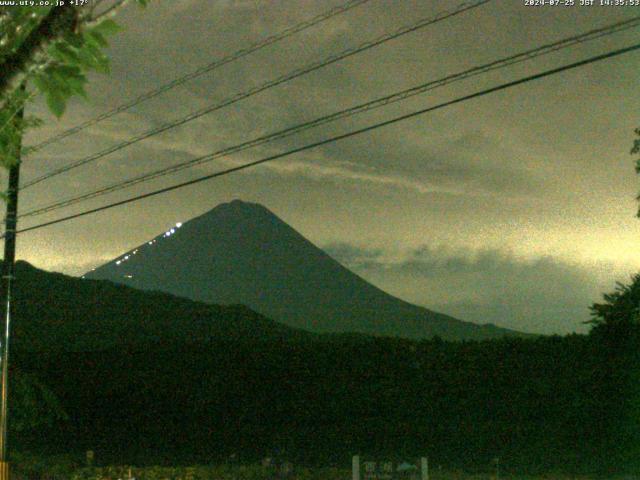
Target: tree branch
{"type": "Point", "coordinates": [57, 22]}
{"type": "Point", "coordinates": [109, 12]}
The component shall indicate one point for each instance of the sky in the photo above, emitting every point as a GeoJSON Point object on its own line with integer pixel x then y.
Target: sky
{"type": "Point", "coordinates": [517, 208]}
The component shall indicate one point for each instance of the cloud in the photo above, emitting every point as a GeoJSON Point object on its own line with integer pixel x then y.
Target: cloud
{"type": "Point", "coordinates": [527, 169]}
{"type": "Point", "coordinates": [542, 295]}
{"type": "Point", "coordinates": [359, 176]}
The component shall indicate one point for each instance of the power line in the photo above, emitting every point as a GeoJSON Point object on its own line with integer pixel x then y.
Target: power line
{"type": "Point", "coordinates": [352, 133]}
{"type": "Point", "coordinates": [260, 88]}
{"type": "Point", "coordinates": [287, 32]}
{"type": "Point", "coordinates": [377, 103]}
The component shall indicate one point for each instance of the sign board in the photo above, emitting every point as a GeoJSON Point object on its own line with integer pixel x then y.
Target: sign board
{"type": "Point", "coordinates": [389, 470]}
{"type": "Point", "coordinates": [377, 470]}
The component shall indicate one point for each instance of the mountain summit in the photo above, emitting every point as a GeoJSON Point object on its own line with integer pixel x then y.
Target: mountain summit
{"type": "Point", "coordinates": [241, 253]}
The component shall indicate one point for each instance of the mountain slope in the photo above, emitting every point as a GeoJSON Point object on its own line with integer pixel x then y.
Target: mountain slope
{"type": "Point", "coordinates": [242, 253]}
{"type": "Point", "coordinates": [55, 312]}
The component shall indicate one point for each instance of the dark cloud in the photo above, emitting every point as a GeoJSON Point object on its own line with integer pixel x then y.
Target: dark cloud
{"type": "Point", "coordinates": [542, 295]}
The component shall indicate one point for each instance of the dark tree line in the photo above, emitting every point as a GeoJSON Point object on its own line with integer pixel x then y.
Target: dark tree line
{"type": "Point", "coordinates": [236, 383]}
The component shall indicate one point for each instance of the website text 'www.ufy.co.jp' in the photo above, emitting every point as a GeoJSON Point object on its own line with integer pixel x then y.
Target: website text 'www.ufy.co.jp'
{"type": "Point", "coordinates": [42, 3]}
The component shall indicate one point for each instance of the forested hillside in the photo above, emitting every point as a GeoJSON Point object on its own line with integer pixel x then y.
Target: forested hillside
{"type": "Point", "coordinates": [146, 378]}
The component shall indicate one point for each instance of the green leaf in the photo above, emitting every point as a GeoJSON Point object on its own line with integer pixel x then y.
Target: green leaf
{"type": "Point", "coordinates": [73, 39]}
{"type": "Point", "coordinates": [102, 65]}
{"type": "Point", "coordinates": [76, 84]}
{"type": "Point", "coordinates": [91, 43]}
{"type": "Point", "coordinates": [42, 83]}
{"type": "Point", "coordinates": [99, 38]}
{"type": "Point", "coordinates": [91, 55]}
{"type": "Point", "coordinates": [56, 102]}
{"type": "Point", "coordinates": [142, 3]}
{"type": "Point", "coordinates": [68, 58]}
{"type": "Point", "coordinates": [106, 27]}
{"type": "Point", "coordinates": [65, 53]}
{"type": "Point", "coordinates": [60, 84]}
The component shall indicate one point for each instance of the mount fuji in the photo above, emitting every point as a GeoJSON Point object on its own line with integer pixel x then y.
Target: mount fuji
{"type": "Point", "coordinates": [242, 253]}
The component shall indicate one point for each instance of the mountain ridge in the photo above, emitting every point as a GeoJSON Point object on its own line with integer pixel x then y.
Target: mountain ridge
{"type": "Point", "coordinates": [57, 312]}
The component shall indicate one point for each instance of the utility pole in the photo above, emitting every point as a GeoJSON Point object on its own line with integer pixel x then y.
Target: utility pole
{"type": "Point", "coordinates": [11, 221]}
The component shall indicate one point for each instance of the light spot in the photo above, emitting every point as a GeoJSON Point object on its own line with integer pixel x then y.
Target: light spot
{"type": "Point", "coordinates": [179, 224]}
